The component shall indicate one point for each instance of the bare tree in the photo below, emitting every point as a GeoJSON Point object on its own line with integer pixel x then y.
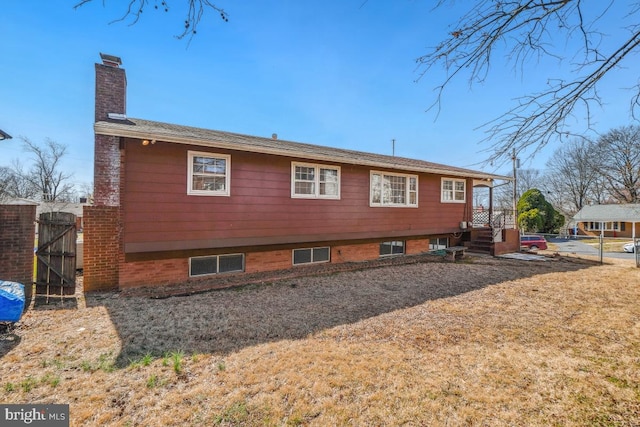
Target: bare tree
{"type": "Point", "coordinates": [619, 158]}
{"type": "Point", "coordinates": [192, 11]}
{"type": "Point", "coordinates": [17, 184]}
{"type": "Point", "coordinates": [526, 30]}
{"type": "Point", "coordinates": [526, 180]}
{"type": "Point", "coordinates": [572, 176]}
{"type": "Point", "coordinates": [6, 175]}
{"type": "Point", "coordinates": [503, 197]}
{"type": "Point", "coordinates": [599, 193]}
{"type": "Point", "coordinates": [46, 174]}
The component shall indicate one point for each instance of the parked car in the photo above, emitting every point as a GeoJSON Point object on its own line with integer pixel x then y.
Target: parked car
{"type": "Point", "coordinates": [628, 247]}
{"type": "Point", "coordinates": [533, 242]}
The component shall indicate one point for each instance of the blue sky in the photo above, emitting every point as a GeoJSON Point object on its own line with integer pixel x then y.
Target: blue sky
{"type": "Point", "coordinates": [336, 72]}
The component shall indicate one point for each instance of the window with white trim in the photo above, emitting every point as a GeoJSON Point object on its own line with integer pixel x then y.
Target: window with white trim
{"type": "Point", "coordinates": [395, 247]}
{"type": "Point", "coordinates": [209, 174]}
{"type": "Point", "coordinates": [312, 181]}
{"type": "Point", "coordinates": [438, 243]}
{"type": "Point", "coordinates": [311, 255]}
{"type": "Point", "coordinates": [215, 264]}
{"type": "Point", "coordinates": [393, 189]}
{"type": "Point", "coordinates": [606, 226]}
{"type": "Point", "coordinates": [453, 190]}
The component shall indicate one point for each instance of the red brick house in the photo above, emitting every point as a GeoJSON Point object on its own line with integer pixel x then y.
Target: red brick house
{"type": "Point", "coordinates": [173, 203]}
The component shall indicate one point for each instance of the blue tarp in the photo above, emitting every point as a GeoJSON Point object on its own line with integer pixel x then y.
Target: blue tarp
{"type": "Point", "coordinates": [11, 301]}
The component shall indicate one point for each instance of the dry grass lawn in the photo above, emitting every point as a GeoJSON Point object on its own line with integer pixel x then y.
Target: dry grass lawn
{"type": "Point", "coordinates": [485, 342]}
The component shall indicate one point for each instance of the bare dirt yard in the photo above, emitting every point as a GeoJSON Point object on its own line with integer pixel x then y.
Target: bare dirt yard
{"type": "Point", "coordinates": [482, 342]}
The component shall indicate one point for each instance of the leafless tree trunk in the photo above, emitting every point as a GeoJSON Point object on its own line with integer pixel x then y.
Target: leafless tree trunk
{"type": "Point", "coordinates": [525, 31]}
{"type": "Point", "coordinates": [599, 191]}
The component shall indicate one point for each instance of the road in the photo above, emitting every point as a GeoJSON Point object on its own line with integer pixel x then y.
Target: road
{"type": "Point", "coordinates": [578, 247]}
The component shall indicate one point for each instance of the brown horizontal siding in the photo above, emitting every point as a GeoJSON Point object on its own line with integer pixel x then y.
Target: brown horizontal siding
{"type": "Point", "coordinates": [160, 216]}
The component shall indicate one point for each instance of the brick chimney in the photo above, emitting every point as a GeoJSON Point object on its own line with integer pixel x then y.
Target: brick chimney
{"type": "Point", "coordinates": [102, 221]}
{"type": "Point", "coordinates": [111, 97]}
{"type": "Point", "coordinates": [111, 88]}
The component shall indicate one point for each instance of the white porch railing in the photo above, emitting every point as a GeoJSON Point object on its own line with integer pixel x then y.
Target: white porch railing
{"type": "Point", "coordinates": [497, 220]}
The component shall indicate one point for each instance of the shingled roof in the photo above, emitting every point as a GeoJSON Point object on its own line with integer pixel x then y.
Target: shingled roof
{"type": "Point", "coordinates": [150, 130]}
{"type": "Point", "coordinates": [607, 213]}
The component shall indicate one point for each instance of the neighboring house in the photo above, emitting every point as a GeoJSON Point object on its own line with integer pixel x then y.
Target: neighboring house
{"type": "Point", "coordinates": [608, 220]}
{"type": "Point", "coordinates": [175, 202]}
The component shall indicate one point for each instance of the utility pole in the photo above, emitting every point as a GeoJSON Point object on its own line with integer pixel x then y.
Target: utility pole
{"type": "Point", "coordinates": [516, 164]}
{"type": "Point", "coordinates": [393, 147]}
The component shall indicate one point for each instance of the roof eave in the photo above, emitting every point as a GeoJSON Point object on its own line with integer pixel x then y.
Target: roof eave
{"type": "Point", "coordinates": [116, 129]}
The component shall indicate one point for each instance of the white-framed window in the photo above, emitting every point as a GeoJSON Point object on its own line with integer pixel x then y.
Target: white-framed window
{"type": "Point", "coordinates": [606, 226]}
{"type": "Point", "coordinates": [395, 247]}
{"type": "Point", "coordinates": [313, 181]}
{"type": "Point", "coordinates": [438, 243]}
{"type": "Point", "coordinates": [215, 264]}
{"type": "Point", "coordinates": [393, 189]}
{"type": "Point", "coordinates": [453, 190]}
{"type": "Point", "coordinates": [209, 174]}
{"type": "Point", "coordinates": [311, 255]}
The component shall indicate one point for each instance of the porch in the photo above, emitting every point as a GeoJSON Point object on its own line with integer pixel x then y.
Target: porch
{"type": "Point", "coordinates": [491, 231]}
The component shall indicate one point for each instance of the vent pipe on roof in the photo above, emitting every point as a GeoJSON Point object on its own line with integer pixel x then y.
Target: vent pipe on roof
{"type": "Point", "coordinates": [274, 136]}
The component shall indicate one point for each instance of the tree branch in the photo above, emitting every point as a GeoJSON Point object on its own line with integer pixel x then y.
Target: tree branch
{"type": "Point", "coordinates": [194, 13]}
{"type": "Point", "coordinates": [521, 30]}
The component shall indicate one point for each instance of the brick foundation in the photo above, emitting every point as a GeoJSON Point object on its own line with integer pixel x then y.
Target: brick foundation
{"type": "Point", "coordinates": [355, 253]}
{"type": "Point", "coordinates": [417, 246]}
{"type": "Point", "coordinates": [267, 261]}
{"type": "Point", "coordinates": [159, 272]}
{"type": "Point", "coordinates": [17, 239]}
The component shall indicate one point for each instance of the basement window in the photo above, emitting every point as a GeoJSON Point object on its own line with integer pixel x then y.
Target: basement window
{"type": "Point", "coordinates": [438, 243]}
{"type": "Point", "coordinates": [311, 255]}
{"type": "Point", "coordinates": [215, 264]}
{"type": "Point", "coordinates": [392, 248]}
